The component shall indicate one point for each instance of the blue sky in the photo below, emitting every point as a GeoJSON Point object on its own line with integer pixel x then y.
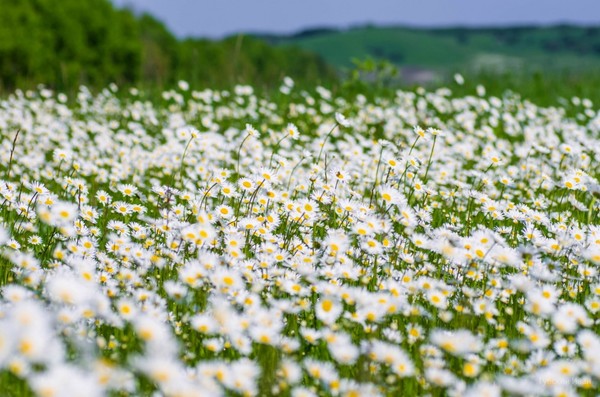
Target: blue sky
{"type": "Point", "coordinates": [218, 18]}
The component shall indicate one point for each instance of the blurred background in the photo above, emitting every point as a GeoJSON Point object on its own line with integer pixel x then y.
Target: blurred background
{"type": "Point", "coordinates": [546, 49]}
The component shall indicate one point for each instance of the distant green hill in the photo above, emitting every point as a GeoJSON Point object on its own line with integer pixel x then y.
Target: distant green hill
{"type": "Point", "coordinates": [554, 48]}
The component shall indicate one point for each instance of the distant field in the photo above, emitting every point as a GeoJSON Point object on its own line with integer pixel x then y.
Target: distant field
{"type": "Point", "coordinates": [532, 48]}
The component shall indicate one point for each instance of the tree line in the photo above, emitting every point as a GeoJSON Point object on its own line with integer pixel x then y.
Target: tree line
{"type": "Point", "coordinates": [67, 43]}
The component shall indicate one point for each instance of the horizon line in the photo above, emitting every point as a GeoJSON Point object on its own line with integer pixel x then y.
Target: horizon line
{"type": "Point", "coordinates": [363, 25]}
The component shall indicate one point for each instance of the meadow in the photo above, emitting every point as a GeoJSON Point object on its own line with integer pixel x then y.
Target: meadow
{"type": "Point", "coordinates": [303, 243]}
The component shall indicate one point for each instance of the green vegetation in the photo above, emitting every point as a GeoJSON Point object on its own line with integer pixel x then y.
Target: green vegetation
{"type": "Point", "coordinates": [66, 43]}
{"type": "Point", "coordinates": [248, 59]}
{"type": "Point", "coordinates": [531, 48]}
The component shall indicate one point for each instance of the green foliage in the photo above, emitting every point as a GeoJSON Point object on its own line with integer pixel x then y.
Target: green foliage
{"type": "Point", "coordinates": [66, 43]}
{"type": "Point", "coordinates": [242, 58]}
{"type": "Point", "coordinates": [372, 76]}
{"type": "Point", "coordinates": [159, 51]}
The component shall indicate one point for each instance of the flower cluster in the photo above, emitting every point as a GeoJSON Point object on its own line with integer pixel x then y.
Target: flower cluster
{"type": "Point", "coordinates": [222, 243]}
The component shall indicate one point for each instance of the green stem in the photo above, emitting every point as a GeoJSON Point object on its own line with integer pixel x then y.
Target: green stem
{"type": "Point", "coordinates": [591, 211]}
{"type": "Point", "coordinates": [12, 152]}
{"type": "Point", "coordinates": [430, 156]}
{"type": "Point", "coordinates": [325, 141]}
{"type": "Point", "coordinates": [237, 168]}
{"type": "Point", "coordinates": [276, 147]}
